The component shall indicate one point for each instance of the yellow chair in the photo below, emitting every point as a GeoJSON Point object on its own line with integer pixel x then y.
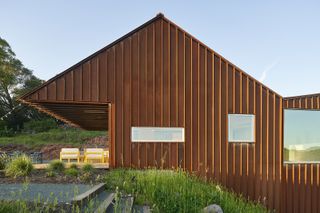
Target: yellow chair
{"type": "Point", "coordinates": [70, 154]}
{"type": "Point", "coordinates": [94, 154]}
{"type": "Point", "coordinates": [106, 156]}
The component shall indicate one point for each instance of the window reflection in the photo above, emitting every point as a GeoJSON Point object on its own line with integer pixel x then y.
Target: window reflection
{"type": "Point", "coordinates": [157, 134]}
{"type": "Point", "coordinates": [301, 135]}
{"type": "Point", "coordinates": [241, 128]}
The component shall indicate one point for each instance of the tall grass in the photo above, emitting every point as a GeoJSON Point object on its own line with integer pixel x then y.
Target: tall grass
{"type": "Point", "coordinates": [45, 205]}
{"type": "Point", "coordinates": [176, 191]}
{"type": "Point", "coordinates": [19, 166]}
{"type": "Point", "coordinates": [54, 136]}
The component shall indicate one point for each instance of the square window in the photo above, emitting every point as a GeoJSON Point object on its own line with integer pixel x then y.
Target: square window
{"type": "Point", "coordinates": [241, 128]}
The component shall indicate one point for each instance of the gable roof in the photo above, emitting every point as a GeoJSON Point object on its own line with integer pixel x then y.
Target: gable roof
{"type": "Point", "coordinates": [157, 17]}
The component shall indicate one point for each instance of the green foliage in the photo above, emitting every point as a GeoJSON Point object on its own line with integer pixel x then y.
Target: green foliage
{"type": "Point", "coordinates": [50, 173]}
{"type": "Point", "coordinates": [87, 168]}
{"type": "Point", "coordinates": [176, 191]}
{"type": "Point", "coordinates": [70, 136]}
{"type": "Point", "coordinates": [4, 160]}
{"type": "Point", "coordinates": [36, 126]}
{"type": "Point", "coordinates": [56, 166]}
{"type": "Point", "coordinates": [73, 166]}
{"type": "Point", "coordinates": [71, 172]}
{"type": "Point", "coordinates": [87, 171]}
{"type": "Point", "coordinates": [19, 166]}
{"type": "Point", "coordinates": [86, 177]}
{"type": "Point", "coordinates": [6, 132]}
{"type": "Point", "coordinates": [15, 80]}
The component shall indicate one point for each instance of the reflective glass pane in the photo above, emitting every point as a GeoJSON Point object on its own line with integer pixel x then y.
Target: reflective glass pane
{"type": "Point", "coordinates": [157, 134]}
{"type": "Point", "coordinates": [241, 128]}
{"type": "Point", "coordinates": [301, 135]}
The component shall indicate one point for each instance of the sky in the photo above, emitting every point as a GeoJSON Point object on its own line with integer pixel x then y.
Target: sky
{"type": "Point", "coordinates": [276, 42]}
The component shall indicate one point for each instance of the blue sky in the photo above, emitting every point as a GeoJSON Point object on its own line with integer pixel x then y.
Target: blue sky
{"type": "Point", "coordinates": [274, 41]}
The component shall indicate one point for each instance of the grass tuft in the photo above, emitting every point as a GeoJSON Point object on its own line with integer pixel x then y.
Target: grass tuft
{"type": "Point", "coordinates": [4, 160]}
{"type": "Point", "coordinates": [73, 166]}
{"type": "Point", "coordinates": [19, 166]}
{"type": "Point", "coordinates": [87, 168]}
{"type": "Point", "coordinates": [176, 191]}
{"type": "Point", "coordinates": [71, 172]}
{"type": "Point", "coordinates": [56, 166]}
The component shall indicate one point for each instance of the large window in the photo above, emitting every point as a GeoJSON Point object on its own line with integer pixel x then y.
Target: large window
{"type": "Point", "coordinates": [241, 128]}
{"type": "Point", "coordinates": [157, 134]}
{"type": "Point", "coordinates": [301, 135]}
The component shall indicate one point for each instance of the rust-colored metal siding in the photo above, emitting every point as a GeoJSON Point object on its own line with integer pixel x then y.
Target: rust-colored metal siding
{"type": "Point", "coordinates": [301, 181]}
{"type": "Point", "coordinates": [159, 75]}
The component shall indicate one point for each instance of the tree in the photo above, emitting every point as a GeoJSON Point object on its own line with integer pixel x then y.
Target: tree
{"type": "Point", "coordinates": [15, 80]}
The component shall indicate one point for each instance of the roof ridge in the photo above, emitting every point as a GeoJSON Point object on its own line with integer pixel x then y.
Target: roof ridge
{"type": "Point", "coordinates": [158, 16]}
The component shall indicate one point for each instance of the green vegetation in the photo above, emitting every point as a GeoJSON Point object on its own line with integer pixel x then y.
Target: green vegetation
{"type": "Point", "coordinates": [50, 173]}
{"type": "Point", "coordinates": [74, 172]}
{"type": "Point", "coordinates": [36, 126]}
{"type": "Point", "coordinates": [311, 154]}
{"type": "Point", "coordinates": [19, 166]}
{"type": "Point", "coordinates": [73, 166]}
{"type": "Point", "coordinates": [176, 191]}
{"type": "Point", "coordinates": [4, 159]}
{"type": "Point", "coordinates": [56, 166]}
{"type": "Point", "coordinates": [40, 205]}
{"type": "Point", "coordinates": [15, 80]}
{"type": "Point", "coordinates": [54, 136]}
{"type": "Point", "coordinates": [87, 168]}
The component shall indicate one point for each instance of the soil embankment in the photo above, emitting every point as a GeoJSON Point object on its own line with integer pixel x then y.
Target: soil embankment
{"type": "Point", "coordinates": [52, 151]}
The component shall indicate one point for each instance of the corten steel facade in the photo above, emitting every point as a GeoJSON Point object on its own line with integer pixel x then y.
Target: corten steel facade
{"type": "Point", "coordinates": [159, 75]}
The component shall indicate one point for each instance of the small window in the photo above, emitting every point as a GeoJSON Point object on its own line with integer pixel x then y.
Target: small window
{"type": "Point", "coordinates": [157, 134]}
{"type": "Point", "coordinates": [241, 128]}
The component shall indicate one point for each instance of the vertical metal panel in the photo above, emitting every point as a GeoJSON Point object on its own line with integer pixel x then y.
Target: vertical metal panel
{"type": "Point", "coordinates": [301, 185]}
{"type": "Point", "coordinates": [86, 80]}
{"type": "Point", "coordinates": [99, 78]}
{"type": "Point", "coordinates": [135, 96]}
{"type": "Point", "coordinates": [162, 76]}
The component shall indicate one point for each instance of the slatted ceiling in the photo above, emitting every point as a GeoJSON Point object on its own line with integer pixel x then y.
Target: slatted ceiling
{"type": "Point", "coordinates": [90, 117]}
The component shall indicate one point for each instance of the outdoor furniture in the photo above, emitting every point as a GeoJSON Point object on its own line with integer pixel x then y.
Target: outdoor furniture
{"type": "Point", "coordinates": [94, 154]}
{"type": "Point", "coordinates": [106, 156]}
{"type": "Point", "coordinates": [70, 154]}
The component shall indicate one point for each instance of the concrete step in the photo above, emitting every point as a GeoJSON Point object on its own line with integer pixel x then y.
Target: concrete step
{"type": "Point", "coordinates": [141, 209]}
{"type": "Point", "coordinates": [85, 197]}
{"type": "Point", "coordinates": [125, 205]}
{"type": "Point", "coordinates": [104, 200]}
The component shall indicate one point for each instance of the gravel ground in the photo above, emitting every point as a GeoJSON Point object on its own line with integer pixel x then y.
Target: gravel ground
{"type": "Point", "coordinates": [45, 192]}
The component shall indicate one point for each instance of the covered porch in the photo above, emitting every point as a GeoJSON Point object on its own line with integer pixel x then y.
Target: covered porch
{"type": "Point", "coordinates": [89, 116]}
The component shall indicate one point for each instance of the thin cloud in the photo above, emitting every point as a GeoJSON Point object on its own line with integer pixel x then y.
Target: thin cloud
{"type": "Point", "coordinates": [267, 70]}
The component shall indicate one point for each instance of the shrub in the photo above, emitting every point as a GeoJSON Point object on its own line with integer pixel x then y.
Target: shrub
{"type": "Point", "coordinates": [170, 191]}
{"type": "Point", "coordinates": [71, 172]}
{"type": "Point", "coordinates": [36, 126]}
{"type": "Point", "coordinates": [73, 166]}
{"type": "Point", "coordinates": [87, 168]}
{"type": "Point", "coordinates": [7, 133]}
{"type": "Point", "coordinates": [4, 159]}
{"type": "Point", "coordinates": [56, 166]}
{"type": "Point", "coordinates": [19, 166]}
